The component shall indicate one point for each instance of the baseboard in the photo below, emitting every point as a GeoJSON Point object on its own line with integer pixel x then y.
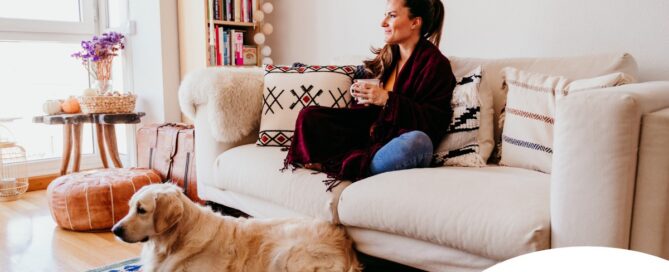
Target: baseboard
{"type": "Point", "coordinates": [37, 183]}
{"type": "Point", "coordinates": [40, 182]}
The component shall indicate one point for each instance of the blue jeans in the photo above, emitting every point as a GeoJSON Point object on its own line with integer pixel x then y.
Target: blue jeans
{"type": "Point", "coordinates": [412, 149]}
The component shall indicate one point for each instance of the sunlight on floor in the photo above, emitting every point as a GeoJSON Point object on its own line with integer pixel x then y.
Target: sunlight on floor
{"type": "Point", "coordinates": [31, 241]}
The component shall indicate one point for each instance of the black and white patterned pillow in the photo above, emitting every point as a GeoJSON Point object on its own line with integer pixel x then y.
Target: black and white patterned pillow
{"type": "Point", "coordinates": [289, 89]}
{"type": "Point", "coordinates": [460, 147]}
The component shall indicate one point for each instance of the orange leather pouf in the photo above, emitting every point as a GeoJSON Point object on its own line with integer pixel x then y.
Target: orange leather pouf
{"type": "Point", "coordinates": [95, 200]}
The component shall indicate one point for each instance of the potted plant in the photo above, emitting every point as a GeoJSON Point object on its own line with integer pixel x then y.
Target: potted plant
{"type": "Point", "coordinates": [97, 56]}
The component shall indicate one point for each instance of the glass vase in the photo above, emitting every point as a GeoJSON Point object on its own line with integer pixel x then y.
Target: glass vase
{"type": "Point", "coordinates": [102, 86]}
{"type": "Point", "coordinates": [103, 72]}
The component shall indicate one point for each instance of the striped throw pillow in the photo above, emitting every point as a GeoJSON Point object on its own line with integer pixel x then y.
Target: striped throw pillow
{"type": "Point", "coordinates": [460, 147]}
{"type": "Point", "coordinates": [529, 115]}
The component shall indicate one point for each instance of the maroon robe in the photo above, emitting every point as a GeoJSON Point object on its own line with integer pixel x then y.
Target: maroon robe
{"type": "Point", "coordinates": [344, 141]}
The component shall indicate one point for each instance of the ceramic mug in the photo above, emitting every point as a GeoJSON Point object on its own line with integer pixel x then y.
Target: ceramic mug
{"type": "Point", "coordinates": [371, 81]}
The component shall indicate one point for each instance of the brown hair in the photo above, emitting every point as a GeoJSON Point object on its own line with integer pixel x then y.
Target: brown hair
{"type": "Point", "coordinates": [432, 14]}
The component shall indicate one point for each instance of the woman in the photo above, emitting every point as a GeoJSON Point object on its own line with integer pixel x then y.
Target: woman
{"type": "Point", "coordinates": [397, 122]}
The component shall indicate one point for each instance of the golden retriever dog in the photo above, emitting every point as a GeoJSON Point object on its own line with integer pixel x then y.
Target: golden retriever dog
{"type": "Point", "coordinates": [183, 236]}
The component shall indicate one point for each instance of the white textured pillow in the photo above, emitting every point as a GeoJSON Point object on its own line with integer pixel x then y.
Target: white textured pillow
{"type": "Point", "coordinates": [290, 89]}
{"type": "Point", "coordinates": [460, 147]}
{"type": "Point", "coordinates": [527, 135]}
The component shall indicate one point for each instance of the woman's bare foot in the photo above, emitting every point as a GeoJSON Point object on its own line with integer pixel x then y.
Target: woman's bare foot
{"type": "Point", "coordinates": [314, 166]}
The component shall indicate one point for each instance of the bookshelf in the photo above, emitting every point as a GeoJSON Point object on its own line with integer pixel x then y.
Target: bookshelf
{"type": "Point", "coordinates": [193, 25]}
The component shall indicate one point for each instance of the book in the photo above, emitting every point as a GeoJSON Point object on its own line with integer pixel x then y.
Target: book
{"type": "Point", "coordinates": [228, 10]}
{"type": "Point", "coordinates": [220, 44]}
{"type": "Point", "coordinates": [238, 45]}
{"type": "Point", "coordinates": [222, 9]}
{"type": "Point", "coordinates": [233, 48]}
{"type": "Point", "coordinates": [216, 10]}
{"type": "Point", "coordinates": [218, 47]}
{"type": "Point", "coordinates": [250, 54]}
{"type": "Point", "coordinates": [238, 10]}
{"type": "Point", "coordinates": [245, 8]}
{"type": "Point", "coordinates": [253, 6]}
{"type": "Point", "coordinates": [226, 45]}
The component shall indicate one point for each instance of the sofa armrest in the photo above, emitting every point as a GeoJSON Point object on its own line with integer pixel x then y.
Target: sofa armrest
{"type": "Point", "coordinates": [207, 149]}
{"type": "Point", "coordinates": [650, 233]}
{"type": "Point", "coordinates": [225, 104]}
{"type": "Point", "coordinates": [595, 162]}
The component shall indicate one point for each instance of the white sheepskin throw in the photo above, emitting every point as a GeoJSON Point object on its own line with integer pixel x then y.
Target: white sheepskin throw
{"type": "Point", "coordinates": [232, 99]}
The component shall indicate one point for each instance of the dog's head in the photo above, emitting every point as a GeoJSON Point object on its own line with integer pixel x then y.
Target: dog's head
{"type": "Point", "coordinates": [153, 209]}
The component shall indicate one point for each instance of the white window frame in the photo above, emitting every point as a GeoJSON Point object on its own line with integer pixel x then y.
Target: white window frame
{"type": "Point", "coordinates": [127, 28]}
{"type": "Point", "coordinates": [93, 22]}
{"type": "Point", "coordinates": [45, 30]}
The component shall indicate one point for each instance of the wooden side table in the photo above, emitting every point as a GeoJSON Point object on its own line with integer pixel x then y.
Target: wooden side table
{"type": "Point", "coordinates": [104, 129]}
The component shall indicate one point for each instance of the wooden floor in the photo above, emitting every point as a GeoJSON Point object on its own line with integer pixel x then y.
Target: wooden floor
{"type": "Point", "coordinates": [31, 241]}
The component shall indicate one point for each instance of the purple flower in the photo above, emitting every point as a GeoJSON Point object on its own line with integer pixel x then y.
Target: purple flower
{"type": "Point", "coordinates": [101, 47]}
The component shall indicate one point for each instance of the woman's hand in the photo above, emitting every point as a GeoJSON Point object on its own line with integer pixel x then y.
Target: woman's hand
{"type": "Point", "coordinates": [369, 94]}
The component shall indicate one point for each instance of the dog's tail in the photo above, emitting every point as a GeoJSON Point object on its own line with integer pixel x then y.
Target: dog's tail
{"type": "Point", "coordinates": [335, 253]}
{"type": "Point", "coordinates": [342, 242]}
{"type": "Point", "coordinates": [353, 263]}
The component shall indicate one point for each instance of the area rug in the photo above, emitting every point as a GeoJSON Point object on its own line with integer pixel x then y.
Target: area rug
{"type": "Point", "coordinates": [130, 265]}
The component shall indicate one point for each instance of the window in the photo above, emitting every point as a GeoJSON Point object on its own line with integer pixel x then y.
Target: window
{"type": "Point", "coordinates": [63, 19]}
{"type": "Point", "coordinates": [49, 10]}
{"type": "Point", "coordinates": [39, 71]}
{"type": "Point", "coordinates": [35, 49]}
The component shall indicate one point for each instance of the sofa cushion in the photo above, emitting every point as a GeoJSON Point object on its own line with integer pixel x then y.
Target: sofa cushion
{"type": "Point", "coordinates": [416, 253]}
{"type": "Point", "coordinates": [493, 98]}
{"type": "Point", "coordinates": [255, 171]}
{"type": "Point", "coordinates": [495, 212]}
{"type": "Point", "coordinates": [289, 89]}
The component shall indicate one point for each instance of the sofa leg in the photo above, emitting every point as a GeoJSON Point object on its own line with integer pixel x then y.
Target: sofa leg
{"type": "Point", "coordinates": [373, 264]}
{"type": "Point", "coordinates": [225, 210]}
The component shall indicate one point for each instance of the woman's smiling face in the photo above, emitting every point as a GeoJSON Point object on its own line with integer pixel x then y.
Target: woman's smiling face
{"type": "Point", "coordinates": [396, 24]}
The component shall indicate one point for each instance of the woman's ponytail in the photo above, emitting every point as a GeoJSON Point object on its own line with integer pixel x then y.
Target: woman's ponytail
{"type": "Point", "coordinates": [433, 33]}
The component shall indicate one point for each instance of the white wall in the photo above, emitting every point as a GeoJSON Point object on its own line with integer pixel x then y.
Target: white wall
{"type": "Point", "coordinates": [314, 31]}
{"type": "Point", "coordinates": [155, 57]}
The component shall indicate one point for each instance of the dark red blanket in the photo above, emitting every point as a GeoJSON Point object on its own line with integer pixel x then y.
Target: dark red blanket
{"type": "Point", "coordinates": [344, 141]}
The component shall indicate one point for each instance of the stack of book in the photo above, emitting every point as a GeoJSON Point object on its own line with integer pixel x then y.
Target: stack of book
{"type": "Point", "coordinates": [234, 10]}
{"type": "Point", "coordinates": [230, 48]}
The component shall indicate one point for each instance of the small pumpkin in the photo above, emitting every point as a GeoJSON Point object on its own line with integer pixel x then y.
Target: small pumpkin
{"type": "Point", "coordinates": [51, 107]}
{"type": "Point", "coordinates": [71, 105]}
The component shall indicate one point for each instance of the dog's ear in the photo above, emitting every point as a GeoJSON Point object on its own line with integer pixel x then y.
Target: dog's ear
{"type": "Point", "coordinates": [168, 211]}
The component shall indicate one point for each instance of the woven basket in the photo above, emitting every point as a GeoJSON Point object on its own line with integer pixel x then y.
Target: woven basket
{"type": "Point", "coordinates": [15, 192]}
{"type": "Point", "coordinates": [107, 104]}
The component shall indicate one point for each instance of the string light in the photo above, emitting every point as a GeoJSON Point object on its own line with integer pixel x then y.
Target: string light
{"type": "Point", "coordinates": [267, 61]}
{"type": "Point", "coordinates": [266, 51]}
{"type": "Point", "coordinates": [267, 28]}
{"type": "Point", "coordinates": [264, 29]}
{"type": "Point", "coordinates": [268, 7]}
{"type": "Point", "coordinates": [259, 38]}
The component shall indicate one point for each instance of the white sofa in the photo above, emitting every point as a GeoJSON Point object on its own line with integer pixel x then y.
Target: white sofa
{"type": "Point", "coordinates": [609, 184]}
